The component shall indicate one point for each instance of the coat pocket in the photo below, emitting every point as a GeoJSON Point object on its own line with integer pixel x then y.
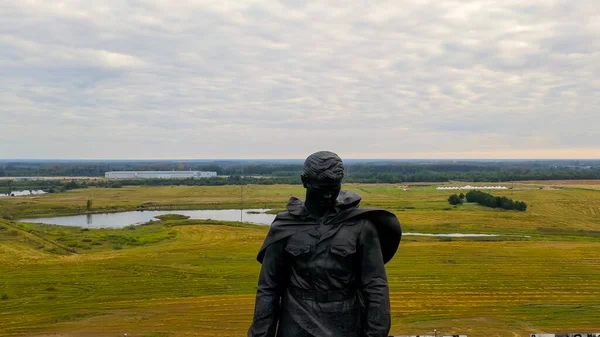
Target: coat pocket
{"type": "Point", "coordinates": [342, 267]}
{"type": "Point", "coordinates": [297, 250]}
{"type": "Point", "coordinates": [343, 250]}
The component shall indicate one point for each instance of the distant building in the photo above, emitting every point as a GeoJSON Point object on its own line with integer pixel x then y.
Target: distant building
{"type": "Point", "coordinates": [158, 174]}
{"type": "Point", "coordinates": [24, 178]}
{"type": "Point", "coordinates": [469, 187]}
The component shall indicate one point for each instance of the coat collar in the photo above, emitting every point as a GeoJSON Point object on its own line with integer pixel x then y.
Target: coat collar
{"type": "Point", "coordinates": [344, 201]}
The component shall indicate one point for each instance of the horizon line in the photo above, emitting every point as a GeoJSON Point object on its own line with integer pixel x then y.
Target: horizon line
{"type": "Point", "coordinates": [275, 159]}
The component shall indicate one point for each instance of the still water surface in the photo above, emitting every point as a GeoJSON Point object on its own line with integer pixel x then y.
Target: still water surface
{"type": "Point", "coordinates": [122, 219]}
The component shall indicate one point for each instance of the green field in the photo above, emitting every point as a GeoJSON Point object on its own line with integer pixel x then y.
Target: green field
{"type": "Point", "coordinates": [198, 278]}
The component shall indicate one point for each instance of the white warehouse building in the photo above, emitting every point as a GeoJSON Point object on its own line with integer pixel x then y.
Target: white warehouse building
{"type": "Point", "coordinates": [158, 174]}
{"type": "Point", "coordinates": [469, 187]}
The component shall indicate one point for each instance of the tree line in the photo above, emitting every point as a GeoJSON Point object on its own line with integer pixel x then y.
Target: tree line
{"type": "Point", "coordinates": [488, 200]}
{"type": "Point", "coordinates": [54, 186]}
{"type": "Point", "coordinates": [286, 173]}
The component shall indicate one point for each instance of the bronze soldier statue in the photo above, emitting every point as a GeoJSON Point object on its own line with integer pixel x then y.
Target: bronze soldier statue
{"type": "Point", "coordinates": [323, 259]}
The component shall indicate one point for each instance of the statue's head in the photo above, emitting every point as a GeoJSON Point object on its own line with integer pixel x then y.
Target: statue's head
{"type": "Point", "coordinates": [322, 178]}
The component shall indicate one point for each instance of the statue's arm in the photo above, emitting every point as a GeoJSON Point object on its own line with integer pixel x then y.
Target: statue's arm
{"type": "Point", "coordinates": [373, 280]}
{"type": "Point", "coordinates": [270, 287]}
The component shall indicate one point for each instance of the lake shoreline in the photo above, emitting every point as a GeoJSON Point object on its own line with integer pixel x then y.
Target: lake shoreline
{"type": "Point", "coordinates": [137, 217]}
{"type": "Point", "coordinates": [258, 217]}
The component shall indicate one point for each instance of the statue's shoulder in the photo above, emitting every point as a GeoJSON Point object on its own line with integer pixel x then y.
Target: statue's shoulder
{"type": "Point", "coordinates": [283, 219]}
{"type": "Point", "coordinates": [369, 213]}
{"type": "Point", "coordinates": [285, 215]}
{"type": "Point", "coordinates": [387, 226]}
{"type": "Point", "coordinates": [284, 225]}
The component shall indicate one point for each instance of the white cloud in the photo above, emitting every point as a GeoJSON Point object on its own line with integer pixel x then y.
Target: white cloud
{"type": "Point", "coordinates": [34, 54]}
{"type": "Point", "coordinates": [223, 79]}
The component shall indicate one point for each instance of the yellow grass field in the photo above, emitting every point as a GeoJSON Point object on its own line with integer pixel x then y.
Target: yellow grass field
{"type": "Point", "coordinates": [198, 278]}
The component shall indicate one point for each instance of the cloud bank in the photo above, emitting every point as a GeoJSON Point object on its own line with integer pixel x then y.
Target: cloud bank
{"type": "Point", "coordinates": [267, 79]}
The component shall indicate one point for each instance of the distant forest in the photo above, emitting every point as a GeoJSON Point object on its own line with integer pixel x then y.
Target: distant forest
{"type": "Point", "coordinates": [265, 172]}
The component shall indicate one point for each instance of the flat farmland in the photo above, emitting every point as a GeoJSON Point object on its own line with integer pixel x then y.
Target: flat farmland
{"type": "Point", "coordinates": [198, 278]}
{"type": "Point", "coordinates": [588, 184]}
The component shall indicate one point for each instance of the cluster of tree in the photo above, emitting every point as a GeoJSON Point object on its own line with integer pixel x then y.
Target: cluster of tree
{"type": "Point", "coordinates": [486, 199]}
{"type": "Point", "coordinates": [456, 199]}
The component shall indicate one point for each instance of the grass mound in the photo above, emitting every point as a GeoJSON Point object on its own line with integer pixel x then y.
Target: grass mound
{"type": "Point", "coordinates": [167, 217]}
{"type": "Point", "coordinates": [68, 240]}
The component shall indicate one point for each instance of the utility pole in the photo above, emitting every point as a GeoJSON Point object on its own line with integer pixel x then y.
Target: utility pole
{"type": "Point", "coordinates": [242, 195]}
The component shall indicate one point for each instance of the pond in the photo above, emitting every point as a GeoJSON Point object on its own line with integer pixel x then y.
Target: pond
{"type": "Point", "coordinates": [22, 193]}
{"type": "Point", "coordinates": [123, 219]}
{"type": "Point", "coordinates": [453, 235]}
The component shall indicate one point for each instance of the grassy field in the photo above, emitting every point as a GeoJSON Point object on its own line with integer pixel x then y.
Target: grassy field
{"type": "Point", "coordinates": [198, 278]}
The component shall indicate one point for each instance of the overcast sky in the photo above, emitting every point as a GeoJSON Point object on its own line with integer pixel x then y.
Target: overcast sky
{"type": "Point", "coordinates": [202, 79]}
